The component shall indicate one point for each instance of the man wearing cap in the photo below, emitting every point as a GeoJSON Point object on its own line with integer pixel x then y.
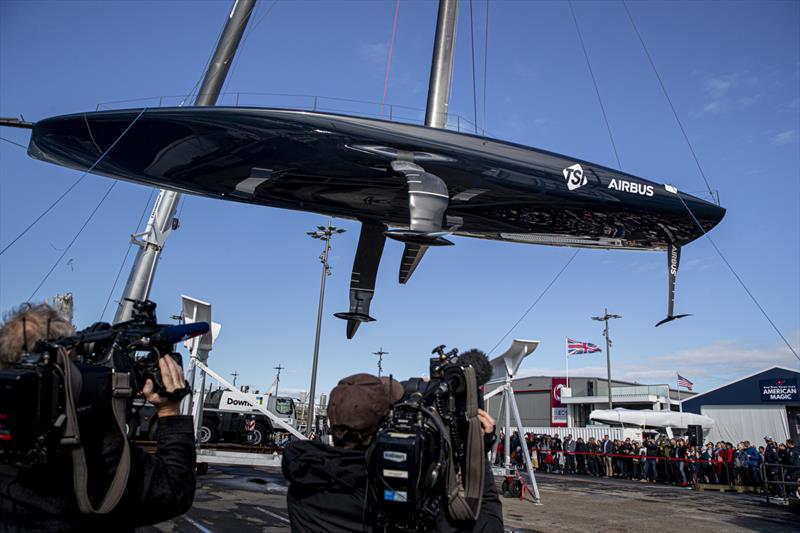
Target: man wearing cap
{"type": "Point", "coordinates": [327, 484]}
{"type": "Point", "coordinates": [327, 490]}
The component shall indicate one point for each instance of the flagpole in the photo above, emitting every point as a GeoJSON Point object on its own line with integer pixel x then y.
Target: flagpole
{"type": "Point", "coordinates": [566, 355]}
{"type": "Point", "coordinates": [680, 405]}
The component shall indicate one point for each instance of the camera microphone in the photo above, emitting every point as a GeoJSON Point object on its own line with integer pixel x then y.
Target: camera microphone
{"type": "Point", "coordinates": [179, 332]}
{"type": "Point", "coordinates": [478, 360]}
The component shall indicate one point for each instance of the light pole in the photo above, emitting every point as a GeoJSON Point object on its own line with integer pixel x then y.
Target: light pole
{"type": "Point", "coordinates": [380, 353]}
{"type": "Point", "coordinates": [605, 318]}
{"type": "Point", "coordinates": [323, 233]}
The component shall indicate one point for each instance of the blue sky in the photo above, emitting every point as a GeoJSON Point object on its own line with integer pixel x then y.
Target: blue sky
{"type": "Point", "coordinates": [732, 70]}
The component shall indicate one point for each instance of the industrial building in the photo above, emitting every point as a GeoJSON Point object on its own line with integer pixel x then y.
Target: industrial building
{"type": "Point", "coordinates": [765, 403]}
{"type": "Point", "coordinates": [547, 401]}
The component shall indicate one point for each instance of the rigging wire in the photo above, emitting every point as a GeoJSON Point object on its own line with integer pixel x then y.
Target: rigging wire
{"type": "Point", "coordinates": [75, 238]}
{"type": "Point", "coordinates": [739, 279]}
{"type": "Point", "coordinates": [202, 75]}
{"type": "Point", "coordinates": [541, 295]}
{"type": "Point", "coordinates": [238, 53]}
{"type": "Point", "coordinates": [127, 253]}
{"type": "Point", "coordinates": [14, 143]}
{"type": "Point", "coordinates": [474, 90]}
{"type": "Point", "coordinates": [485, 66]}
{"type": "Point", "coordinates": [594, 81]}
{"type": "Point", "coordinates": [669, 101]}
{"type": "Point", "coordinates": [389, 60]}
{"type": "Point", "coordinates": [66, 192]}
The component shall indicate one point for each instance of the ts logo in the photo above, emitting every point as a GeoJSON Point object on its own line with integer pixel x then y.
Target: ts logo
{"type": "Point", "coordinates": [574, 176]}
{"type": "Point", "coordinates": [557, 392]}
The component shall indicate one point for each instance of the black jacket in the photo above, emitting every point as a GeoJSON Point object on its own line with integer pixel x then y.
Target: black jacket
{"type": "Point", "coordinates": [327, 492]}
{"type": "Point", "coordinates": [160, 485]}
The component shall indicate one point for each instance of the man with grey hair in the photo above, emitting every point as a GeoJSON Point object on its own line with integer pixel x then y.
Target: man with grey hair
{"type": "Point", "coordinates": [41, 497]}
{"type": "Point", "coordinates": [24, 326]}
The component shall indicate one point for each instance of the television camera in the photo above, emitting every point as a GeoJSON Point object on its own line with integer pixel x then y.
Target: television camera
{"type": "Point", "coordinates": [89, 373]}
{"type": "Point", "coordinates": [428, 454]}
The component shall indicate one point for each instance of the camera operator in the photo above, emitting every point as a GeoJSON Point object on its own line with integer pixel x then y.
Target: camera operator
{"type": "Point", "coordinates": [327, 484]}
{"type": "Point", "coordinates": [43, 498]}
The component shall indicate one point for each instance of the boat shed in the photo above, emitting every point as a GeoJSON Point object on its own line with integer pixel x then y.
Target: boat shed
{"type": "Point", "coordinates": [765, 403]}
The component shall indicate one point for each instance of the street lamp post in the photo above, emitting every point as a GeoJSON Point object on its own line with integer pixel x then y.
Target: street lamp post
{"type": "Point", "coordinates": [323, 233]}
{"type": "Point", "coordinates": [605, 318]}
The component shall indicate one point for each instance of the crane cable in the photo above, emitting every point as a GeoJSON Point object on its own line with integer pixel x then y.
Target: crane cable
{"type": "Point", "coordinates": [714, 196]}
{"type": "Point", "coordinates": [75, 184]}
{"type": "Point", "coordinates": [389, 60]}
{"type": "Point", "coordinates": [739, 279]}
{"type": "Point", "coordinates": [541, 295]}
{"type": "Point", "coordinates": [594, 81]}
{"type": "Point", "coordinates": [127, 253]}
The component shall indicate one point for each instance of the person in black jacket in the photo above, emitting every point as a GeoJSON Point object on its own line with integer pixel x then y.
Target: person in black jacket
{"type": "Point", "coordinates": [159, 487]}
{"type": "Point", "coordinates": [328, 484]}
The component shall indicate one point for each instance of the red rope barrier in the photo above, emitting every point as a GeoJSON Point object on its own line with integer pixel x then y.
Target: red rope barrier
{"type": "Point", "coordinates": [626, 456]}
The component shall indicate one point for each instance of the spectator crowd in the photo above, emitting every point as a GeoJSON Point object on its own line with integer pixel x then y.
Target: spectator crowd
{"type": "Point", "coordinates": [659, 459]}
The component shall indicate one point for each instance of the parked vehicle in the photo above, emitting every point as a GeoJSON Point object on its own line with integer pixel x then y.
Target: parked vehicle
{"type": "Point", "coordinates": [226, 418]}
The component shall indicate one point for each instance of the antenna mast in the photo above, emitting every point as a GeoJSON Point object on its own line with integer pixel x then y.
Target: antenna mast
{"type": "Point", "coordinates": [162, 220]}
{"type": "Point", "coordinates": [380, 353]}
{"type": "Point", "coordinates": [277, 378]}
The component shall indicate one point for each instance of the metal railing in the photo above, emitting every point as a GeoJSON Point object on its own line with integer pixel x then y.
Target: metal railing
{"type": "Point", "coordinates": [305, 102]}
{"type": "Point", "coordinates": [781, 472]}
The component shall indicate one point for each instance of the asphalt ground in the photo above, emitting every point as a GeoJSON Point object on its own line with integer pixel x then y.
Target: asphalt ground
{"type": "Point", "coordinates": [243, 498]}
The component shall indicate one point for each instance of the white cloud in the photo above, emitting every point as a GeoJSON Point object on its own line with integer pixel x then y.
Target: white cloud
{"type": "Point", "coordinates": [713, 107]}
{"type": "Point", "coordinates": [375, 53]}
{"type": "Point", "coordinates": [721, 360]}
{"type": "Point", "coordinates": [785, 137]}
{"type": "Point", "coordinates": [726, 90]}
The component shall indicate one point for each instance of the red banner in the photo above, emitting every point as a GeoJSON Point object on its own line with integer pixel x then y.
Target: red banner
{"type": "Point", "coordinates": [558, 411]}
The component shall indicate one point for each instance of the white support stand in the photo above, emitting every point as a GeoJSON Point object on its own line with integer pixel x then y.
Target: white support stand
{"type": "Point", "coordinates": [504, 368]}
{"type": "Point", "coordinates": [194, 310]}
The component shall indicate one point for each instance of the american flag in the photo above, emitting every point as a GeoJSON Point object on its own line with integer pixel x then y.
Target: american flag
{"type": "Point", "coordinates": [683, 382]}
{"type": "Point", "coordinates": [577, 347]}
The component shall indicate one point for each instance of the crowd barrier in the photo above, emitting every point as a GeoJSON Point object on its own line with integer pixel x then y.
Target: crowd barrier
{"type": "Point", "coordinates": [775, 480]}
{"type": "Point", "coordinates": [785, 479]}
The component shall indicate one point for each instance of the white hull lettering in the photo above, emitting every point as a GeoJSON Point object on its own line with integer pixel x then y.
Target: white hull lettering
{"type": "Point", "coordinates": [631, 187]}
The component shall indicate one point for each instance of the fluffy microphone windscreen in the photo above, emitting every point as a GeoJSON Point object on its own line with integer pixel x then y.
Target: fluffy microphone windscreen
{"type": "Point", "coordinates": [479, 361]}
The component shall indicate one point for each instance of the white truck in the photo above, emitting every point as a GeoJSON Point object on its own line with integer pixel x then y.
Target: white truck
{"type": "Point", "coordinates": [227, 418]}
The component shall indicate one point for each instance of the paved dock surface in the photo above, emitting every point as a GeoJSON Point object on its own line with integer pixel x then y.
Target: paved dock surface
{"type": "Point", "coordinates": [244, 498]}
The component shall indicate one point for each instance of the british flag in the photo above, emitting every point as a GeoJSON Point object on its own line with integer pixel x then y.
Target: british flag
{"type": "Point", "coordinates": [683, 382]}
{"type": "Point", "coordinates": [577, 347]}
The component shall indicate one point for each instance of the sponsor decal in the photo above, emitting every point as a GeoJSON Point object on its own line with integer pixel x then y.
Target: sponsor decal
{"type": "Point", "coordinates": [395, 495]}
{"type": "Point", "coordinates": [234, 401]}
{"type": "Point", "coordinates": [395, 457]}
{"type": "Point", "coordinates": [671, 188]}
{"type": "Point", "coordinates": [673, 261]}
{"type": "Point", "coordinates": [574, 176]}
{"type": "Point", "coordinates": [778, 390]}
{"type": "Point", "coordinates": [559, 416]}
{"type": "Point", "coordinates": [558, 411]}
{"type": "Point", "coordinates": [631, 187]}
{"type": "Point", "coordinates": [400, 474]}
{"type": "Point", "coordinates": [250, 425]}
